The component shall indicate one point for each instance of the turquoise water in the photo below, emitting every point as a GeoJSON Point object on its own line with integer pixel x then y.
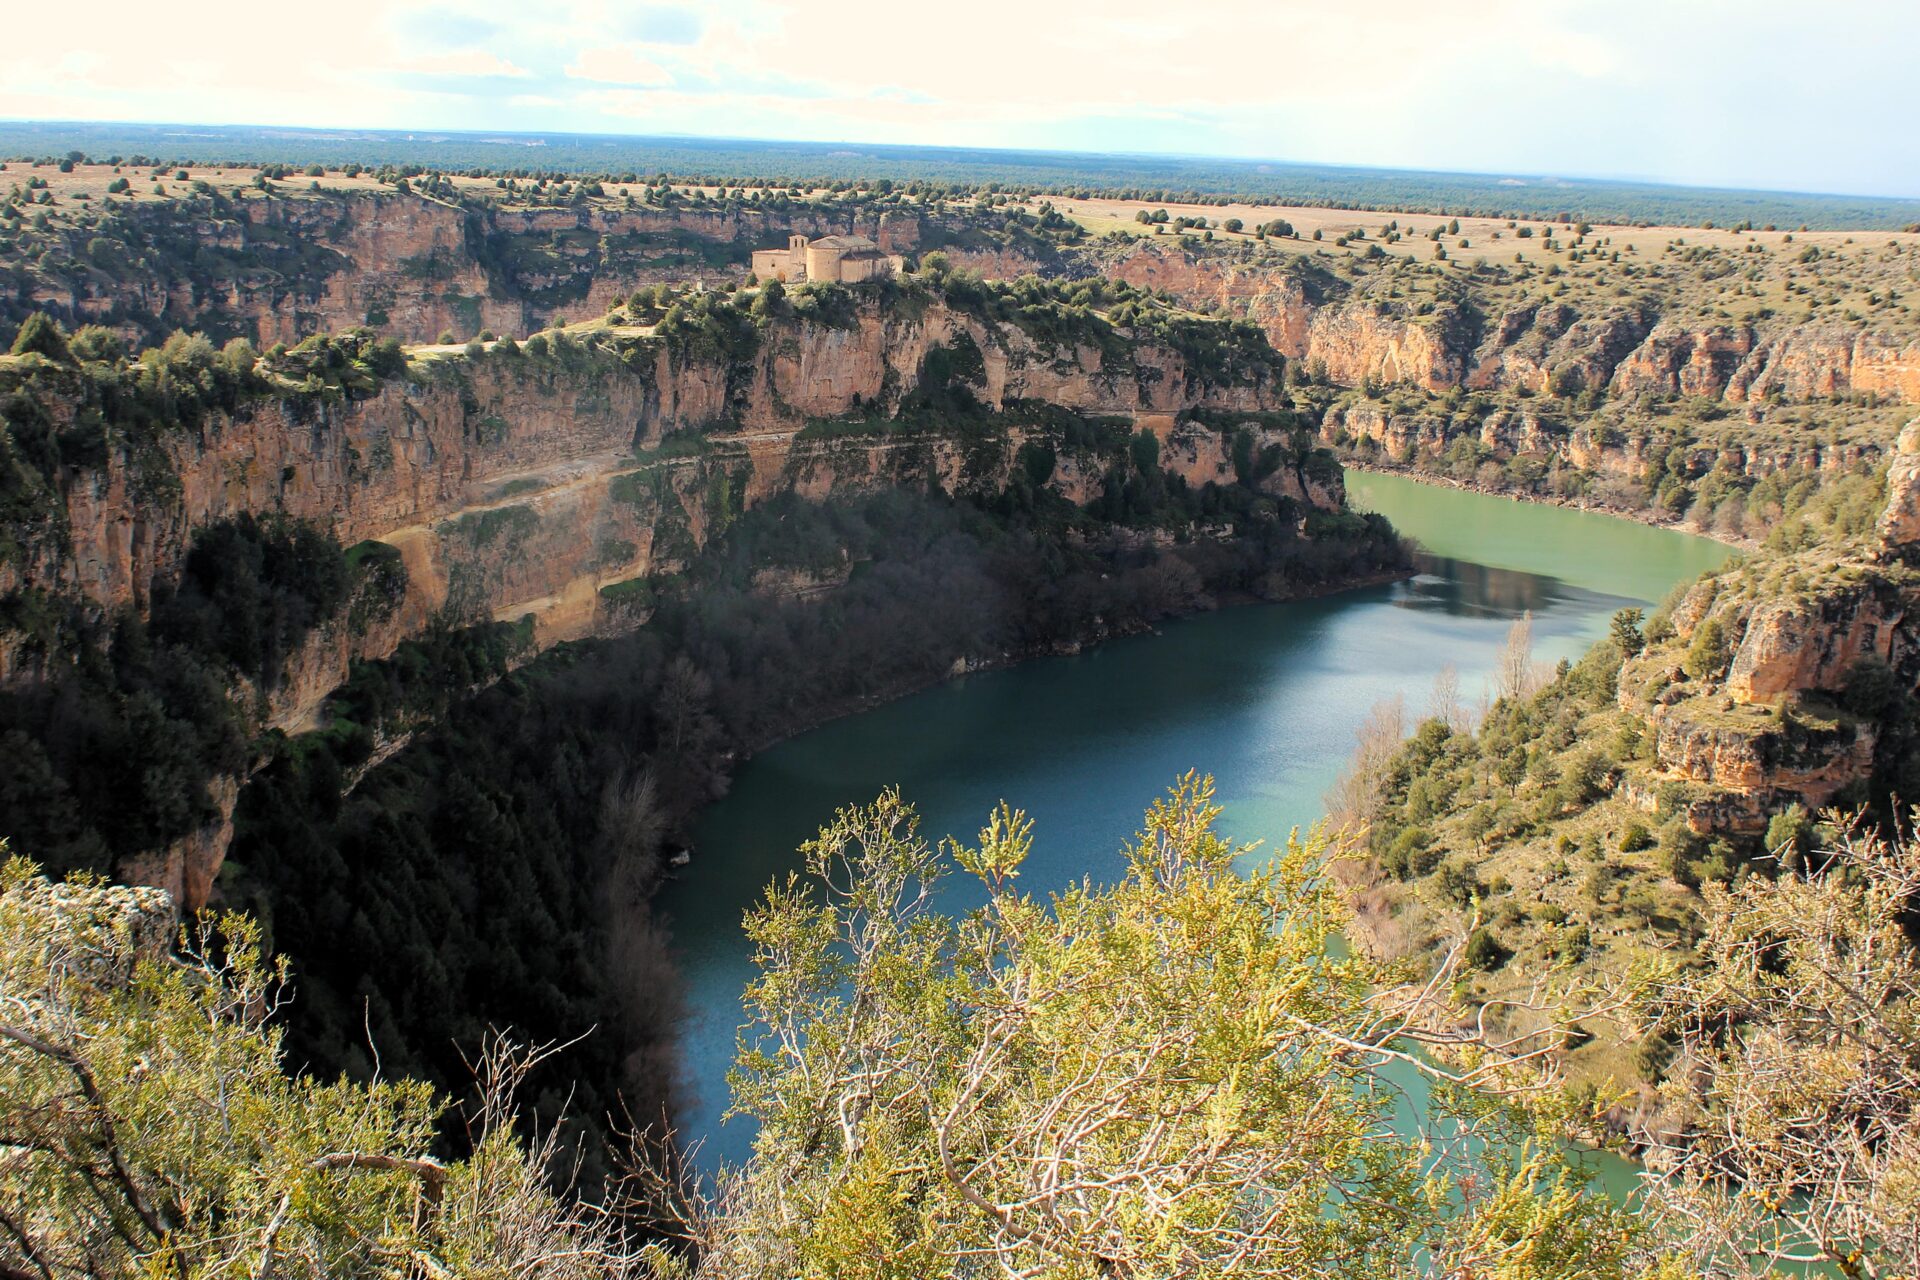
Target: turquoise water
{"type": "Point", "coordinates": [1264, 697]}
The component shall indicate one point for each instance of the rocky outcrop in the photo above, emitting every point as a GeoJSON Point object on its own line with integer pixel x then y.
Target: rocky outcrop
{"type": "Point", "coordinates": [1795, 646]}
{"type": "Point", "coordinates": [1281, 302]}
{"type": "Point", "coordinates": [1899, 527]}
{"type": "Point", "coordinates": [185, 869]}
{"type": "Point", "coordinates": [1755, 769]}
{"type": "Point", "coordinates": [90, 935]}
{"type": "Point", "coordinates": [1552, 349]}
{"type": "Point", "coordinates": [1823, 643]}
{"type": "Point", "coordinates": [1358, 345]}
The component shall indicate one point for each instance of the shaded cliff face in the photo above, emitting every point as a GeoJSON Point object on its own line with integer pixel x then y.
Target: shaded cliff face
{"type": "Point", "coordinates": [1900, 522]}
{"type": "Point", "coordinates": [457, 431]}
{"type": "Point", "coordinates": [265, 523]}
{"type": "Point", "coordinates": [526, 481]}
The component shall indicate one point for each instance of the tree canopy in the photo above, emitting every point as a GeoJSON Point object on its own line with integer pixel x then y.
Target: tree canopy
{"type": "Point", "coordinates": [1176, 1075]}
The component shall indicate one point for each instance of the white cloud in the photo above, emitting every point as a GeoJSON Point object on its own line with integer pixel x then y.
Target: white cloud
{"type": "Point", "coordinates": [1597, 86]}
{"type": "Point", "coordinates": [462, 62]}
{"type": "Point", "coordinates": [1575, 51]}
{"type": "Point", "coordinates": [618, 66]}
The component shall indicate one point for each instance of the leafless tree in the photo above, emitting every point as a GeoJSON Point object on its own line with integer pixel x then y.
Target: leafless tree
{"type": "Point", "coordinates": [1793, 1102]}
{"type": "Point", "coordinates": [1515, 676]}
{"type": "Point", "coordinates": [1445, 704]}
{"type": "Point", "coordinates": [1351, 799]}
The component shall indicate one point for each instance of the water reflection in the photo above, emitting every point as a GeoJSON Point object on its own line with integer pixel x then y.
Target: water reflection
{"type": "Point", "coordinates": [1467, 589]}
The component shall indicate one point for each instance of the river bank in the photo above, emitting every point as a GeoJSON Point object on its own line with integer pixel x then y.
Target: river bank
{"type": "Point", "coordinates": [1639, 515]}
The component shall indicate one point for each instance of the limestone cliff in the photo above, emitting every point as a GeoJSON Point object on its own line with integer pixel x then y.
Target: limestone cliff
{"type": "Point", "coordinates": [284, 264]}
{"type": "Point", "coordinates": [1900, 522]}
{"type": "Point", "coordinates": [519, 482]}
{"type": "Point", "coordinates": [1821, 643]}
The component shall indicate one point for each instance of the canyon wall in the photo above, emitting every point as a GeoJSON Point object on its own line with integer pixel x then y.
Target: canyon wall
{"type": "Point", "coordinates": [280, 267]}
{"type": "Point", "coordinates": [1477, 343]}
{"type": "Point", "coordinates": [524, 483]}
{"type": "Point", "coordinates": [1592, 444]}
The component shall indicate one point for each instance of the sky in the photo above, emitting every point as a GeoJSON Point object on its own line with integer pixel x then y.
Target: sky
{"type": "Point", "coordinates": [1783, 94]}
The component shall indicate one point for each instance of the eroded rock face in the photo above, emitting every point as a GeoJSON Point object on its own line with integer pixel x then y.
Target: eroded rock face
{"type": "Point", "coordinates": [184, 870]}
{"type": "Point", "coordinates": [1788, 722]}
{"type": "Point", "coordinates": [1792, 646]}
{"type": "Point", "coordinates": [1757, 769]}
{"type": "Point", "coordinates": [1899, 527]}
{"type": "Point", "coordinates": [445, 440]}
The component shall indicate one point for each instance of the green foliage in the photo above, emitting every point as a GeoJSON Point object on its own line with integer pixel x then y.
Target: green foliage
{"type": "Point", "coordinates": [510, 525]}
{"type": "Point", "coordinates": [633, 596]}
{"type": "Point", "coordinates": [1144, 448]}
{"type": "Point", "coordinates": [1571, 945]}
{"type": "Point", "coordinates": [1625, 632]}
{"type": "Point", "coordinates": [1411, 855]}
{"type": "Point", "coordinates": [154, 1130]}
{"type": "Point", "coordinates": [1678, 849]}
{"type": "Point", "coordinates": [1873, 688]}
{"type": "Point", "coordinates": [1709, 652]}
{"type": "Point", "coordinates": [920, 1079]}
{"type": "Point", "coordinates": [1790, 834]}
{"type": "Point", "coordinates": [1484, 951]}
{"type": "Point", "coordinates": [41, 335]}
{"type": "Point", "coordinates": [350, 365]}
{"type": "Point", "coordinates": [1457, 883]}
{"type": "Point", "coordinates": [97, 343]}
{"type": "Point", "coordinates": [1651, 1054]}
{"type": "Point", "coordinates": [251, 590]}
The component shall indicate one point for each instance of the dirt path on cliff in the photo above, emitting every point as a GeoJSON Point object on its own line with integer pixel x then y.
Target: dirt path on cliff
{"type": "Point", "coordinates": [515, 488]}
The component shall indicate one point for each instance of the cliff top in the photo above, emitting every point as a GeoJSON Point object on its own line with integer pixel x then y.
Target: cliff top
{"type": "Point", "coordinates": [1689, 275]}
{"type": "Point", "coordinates": [74, 188]}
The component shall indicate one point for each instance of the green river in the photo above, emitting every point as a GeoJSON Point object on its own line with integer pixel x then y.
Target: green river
{"type": "Point", "coordinates": [1264, 697]}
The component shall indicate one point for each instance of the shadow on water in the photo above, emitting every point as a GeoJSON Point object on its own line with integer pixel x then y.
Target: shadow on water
{"type": "Point", "coordinates": [1265, 697]}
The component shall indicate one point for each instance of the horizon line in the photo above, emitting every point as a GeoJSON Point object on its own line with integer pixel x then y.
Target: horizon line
{"type": "Point", "coordinates": [1510, 175]}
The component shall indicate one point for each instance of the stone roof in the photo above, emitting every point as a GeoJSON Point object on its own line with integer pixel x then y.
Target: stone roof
{"type": "Point", "coordinates": [847, 244]}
